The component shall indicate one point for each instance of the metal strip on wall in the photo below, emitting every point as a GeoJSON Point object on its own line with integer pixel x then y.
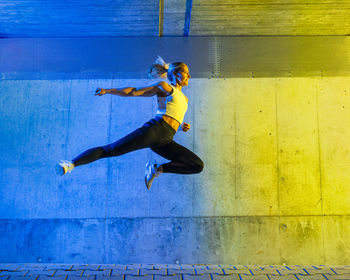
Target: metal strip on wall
{"type": "Point", "coordinates": [188, 18]}
{"type": "Point", "coordinates": [130, 57]}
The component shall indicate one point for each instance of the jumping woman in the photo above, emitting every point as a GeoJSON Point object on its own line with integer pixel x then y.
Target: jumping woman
{"type": "Point", "coordinates": [158, 132]}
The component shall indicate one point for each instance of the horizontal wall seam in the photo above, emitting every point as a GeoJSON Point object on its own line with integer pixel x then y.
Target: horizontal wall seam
{"type": "Point", "coordinates": [188, 217]}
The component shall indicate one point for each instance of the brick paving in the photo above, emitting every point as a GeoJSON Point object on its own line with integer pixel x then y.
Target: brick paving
{"type": "Point", "coordinates": [41, 271]}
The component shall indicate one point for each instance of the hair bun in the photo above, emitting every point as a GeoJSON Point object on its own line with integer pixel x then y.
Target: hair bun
{"type": "Point", "coordinates": [161, 61]}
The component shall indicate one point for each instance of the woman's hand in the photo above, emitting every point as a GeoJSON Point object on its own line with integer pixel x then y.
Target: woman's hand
{"type": "Point", "coordinates": [185, 126]}
{"type": "Point", "coordinates": [100, 91]}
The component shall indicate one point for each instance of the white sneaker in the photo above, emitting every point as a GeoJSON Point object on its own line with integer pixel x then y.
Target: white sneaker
{"type": "Point", "coordinates": [65, 166]}
{"type": "Point", "coordinates": [150, 173]}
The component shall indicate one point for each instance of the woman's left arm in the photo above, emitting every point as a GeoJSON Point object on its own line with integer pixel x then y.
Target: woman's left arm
{"type": "Point", "coordinates": [133, 91]}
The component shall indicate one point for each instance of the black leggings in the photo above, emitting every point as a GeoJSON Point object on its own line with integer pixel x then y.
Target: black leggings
{"type": "Point", "coordinates": [155, 134]}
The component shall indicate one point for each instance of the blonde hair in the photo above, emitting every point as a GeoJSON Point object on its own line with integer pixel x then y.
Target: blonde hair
{"type": "Point", "coordinates": [161, 69]}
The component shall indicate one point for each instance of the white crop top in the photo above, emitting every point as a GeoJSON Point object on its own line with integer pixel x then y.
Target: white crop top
{"type": "Point", "coordinates": [174, 105]}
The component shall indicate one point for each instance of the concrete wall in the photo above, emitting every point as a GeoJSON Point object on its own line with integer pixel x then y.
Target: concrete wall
{"type": "Point", "coordinates": [270, 119]}
{"type": "Point", "coordinates": [275, 188]}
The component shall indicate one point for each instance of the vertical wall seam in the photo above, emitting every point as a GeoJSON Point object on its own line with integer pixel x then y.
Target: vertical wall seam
{"type": "Point", "coordinates": [278, 171]}
{"type": "Point", "coordinates": [151, 153]}
{"type": "Point", "coordinates": [108, 183]}
{"type": "Point", "coordinates": [68, 118]}
{"type": "Point", "coordinates": [319, 149]}
{"type": "Point", "coordinates": [277, 150]}
{"type": "Point", "coordinates": [235, 124]}
{"type": "Point", "coordinates": [193, 145]}
{"type": "Point", "coordinates": [320, 170]}
{"type": "Point", "coordinates": [161, 18]}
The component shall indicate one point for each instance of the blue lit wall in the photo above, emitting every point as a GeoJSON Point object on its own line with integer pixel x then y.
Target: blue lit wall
{"type": "Point", "coordinates": [64, 218]}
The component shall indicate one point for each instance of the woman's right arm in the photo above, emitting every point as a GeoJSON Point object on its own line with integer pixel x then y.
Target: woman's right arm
{"type": "Point", "coordinates": [158, 89]}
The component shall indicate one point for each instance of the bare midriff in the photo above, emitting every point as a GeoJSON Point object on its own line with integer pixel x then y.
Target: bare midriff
{"type": "Point", "coordinates": [172, 122]}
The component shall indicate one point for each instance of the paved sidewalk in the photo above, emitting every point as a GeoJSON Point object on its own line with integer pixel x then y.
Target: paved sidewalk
{"type": "Point", "coordinates": [171, 272]}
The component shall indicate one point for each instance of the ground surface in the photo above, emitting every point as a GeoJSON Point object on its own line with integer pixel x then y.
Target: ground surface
{"type": "Point", "coordinates": [171, 272]}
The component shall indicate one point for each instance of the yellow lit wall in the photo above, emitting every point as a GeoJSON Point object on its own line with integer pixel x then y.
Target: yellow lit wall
{"type": "Point", "coordinates": [277, 174]}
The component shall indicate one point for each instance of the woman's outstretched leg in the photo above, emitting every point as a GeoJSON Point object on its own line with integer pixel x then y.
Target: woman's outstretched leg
{"type": "Point", "coordinates": [138, 139]}
{"type": "Point", "coordinates": [66, 166]}
{"type": "Point", "coordinates": [91, 155]}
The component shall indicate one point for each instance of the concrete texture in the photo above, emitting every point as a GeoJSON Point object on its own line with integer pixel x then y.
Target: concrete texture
{"type": "Point", "coordinates": [274, 189]}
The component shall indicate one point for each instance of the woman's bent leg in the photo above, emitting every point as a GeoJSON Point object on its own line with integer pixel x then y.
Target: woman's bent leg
{"type": "Point", "coordinates": [183, 161]}
{"type": "Point", "coordinates": [138, 139]}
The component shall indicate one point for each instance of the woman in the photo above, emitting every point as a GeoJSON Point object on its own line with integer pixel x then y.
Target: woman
{"type": "Point", "coordinates": [157, 133]}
